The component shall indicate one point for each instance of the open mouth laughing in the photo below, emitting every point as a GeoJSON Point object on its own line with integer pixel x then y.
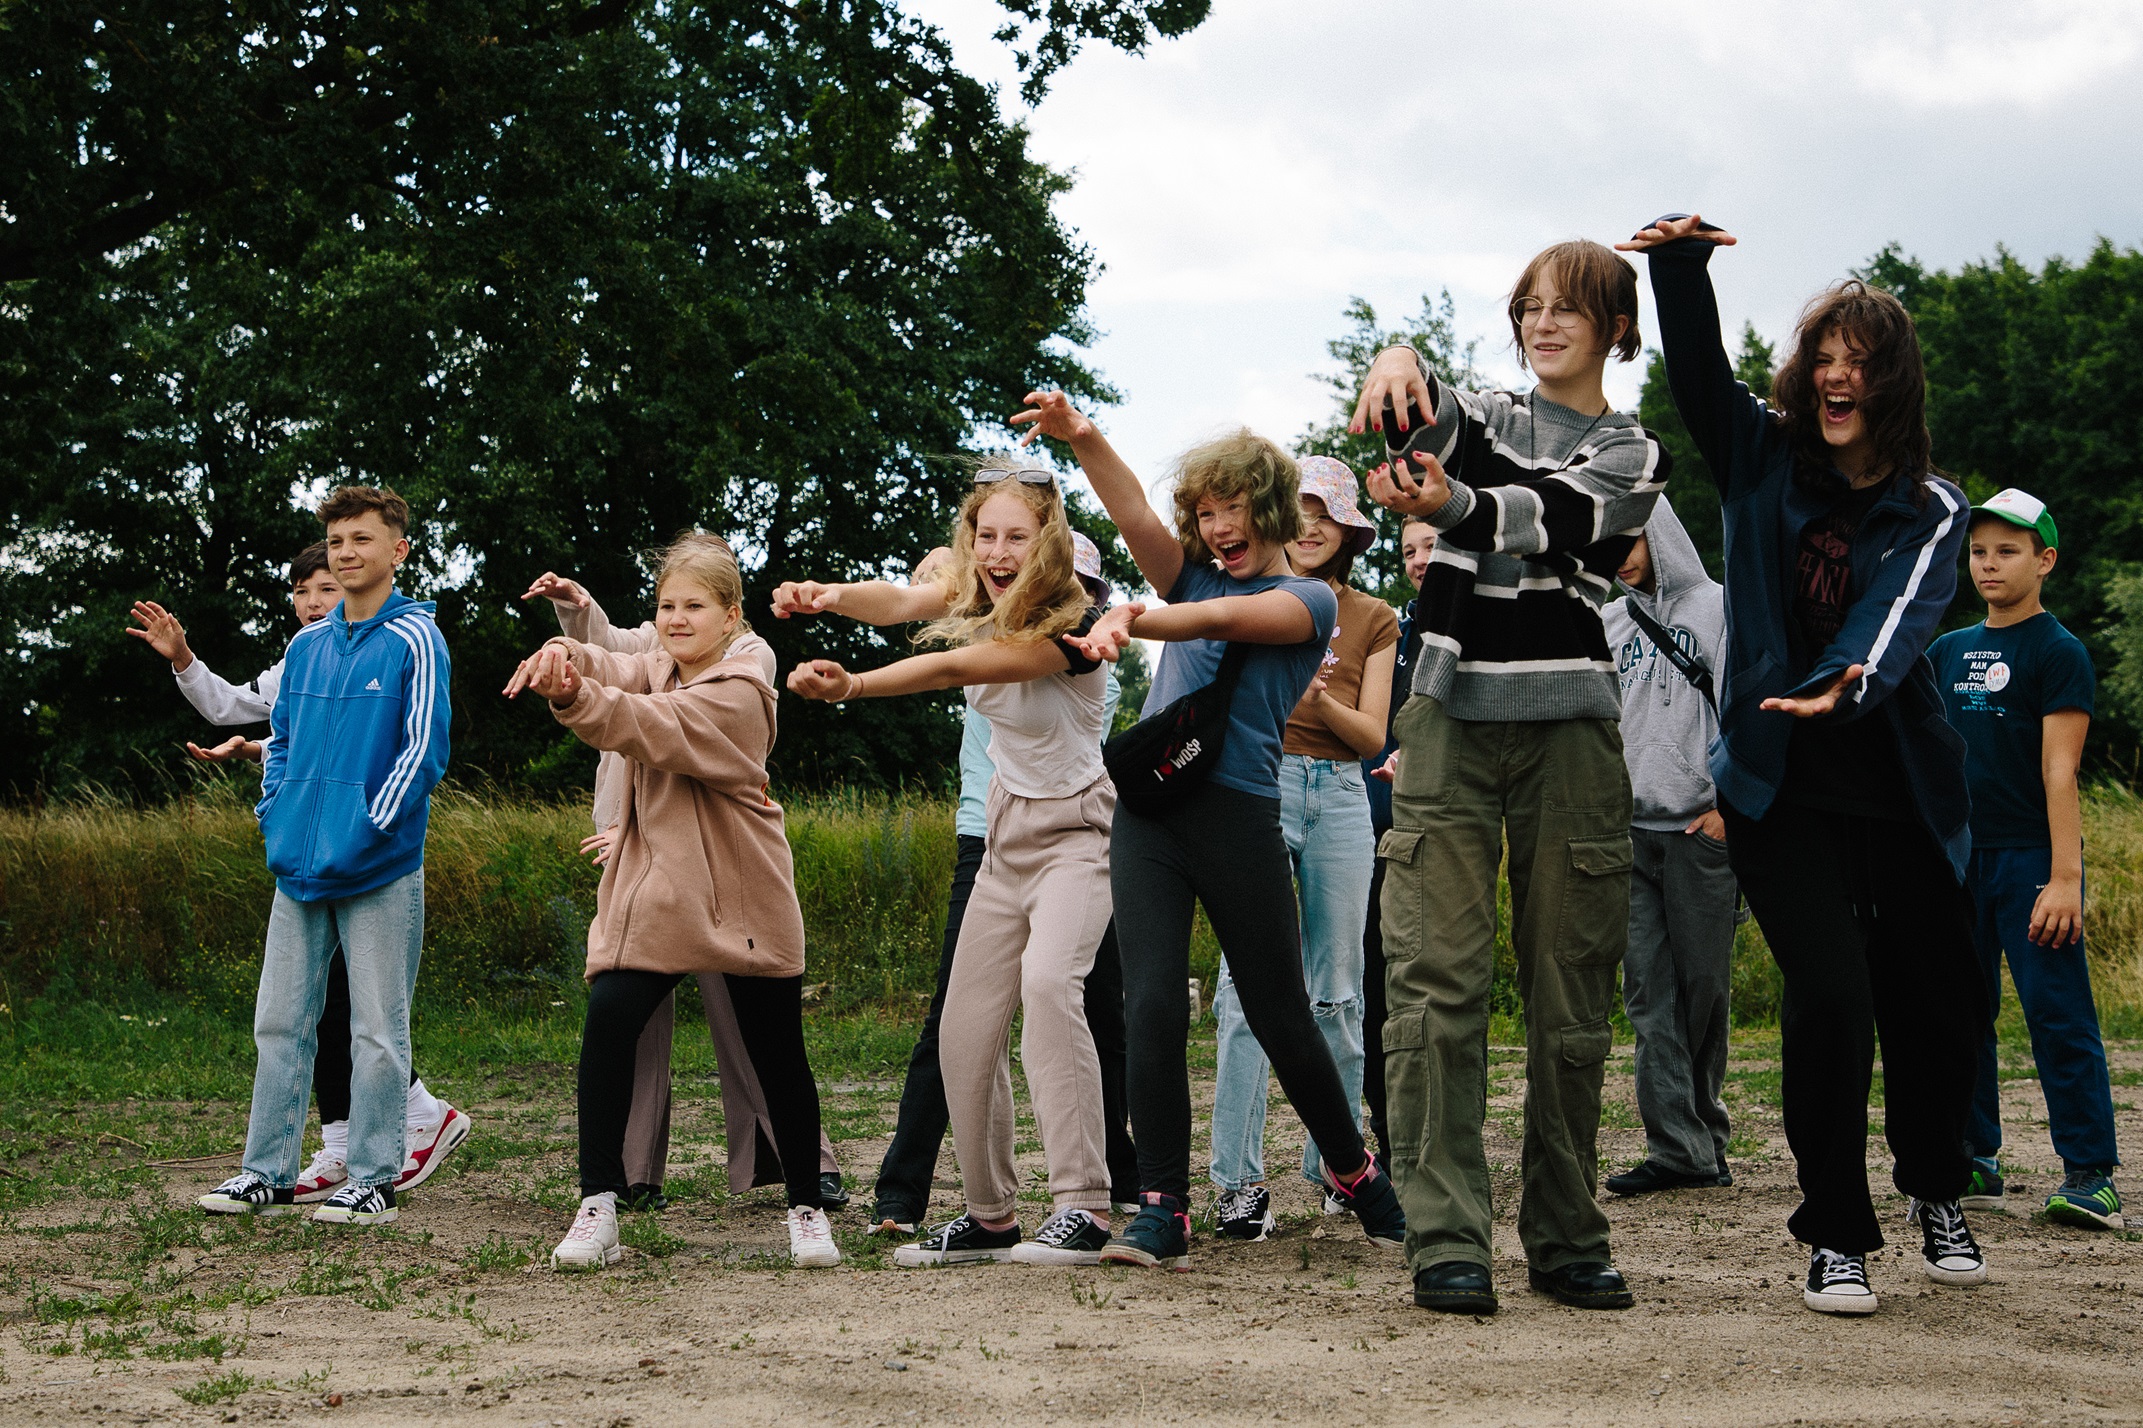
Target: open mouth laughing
{"type": "Point", "coordinates": [1838, 410]}
{"type": "Point", "coordinates": [999, 581]}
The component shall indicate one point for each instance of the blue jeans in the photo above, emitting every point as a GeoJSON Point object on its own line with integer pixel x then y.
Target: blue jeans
{"type": "Point", "coordinates": [1324, 820]}
{"type": "Point", "coordinates": [2054, 986]}
{"type": "Point", "coordinates": [381, 934]}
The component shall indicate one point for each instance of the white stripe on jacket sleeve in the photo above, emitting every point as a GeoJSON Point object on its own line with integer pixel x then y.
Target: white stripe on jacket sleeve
{"type": "Point", "coordinates": [1903, 602]}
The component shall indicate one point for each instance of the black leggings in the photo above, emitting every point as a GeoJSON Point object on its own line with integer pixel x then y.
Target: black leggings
{"type": "Point", "coordinates": [331, 1058]}
{"type": "Point", "coordinates": [1374, 1011]}
{"type": "Point", "coordinates": [1873, 935]}
{"type": "Point", "coordinates": [770, 1014]}
{"type": "Point", "coordinates": [1222, 848]}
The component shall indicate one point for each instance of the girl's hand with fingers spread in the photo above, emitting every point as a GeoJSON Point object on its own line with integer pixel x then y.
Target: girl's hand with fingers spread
{"type": "Point", "coordinates": [1052, 414]}
{"type": "Point", "coordinates": [1106, 640]}
{"type": "Point", "coordinates": [552, 586]}
{"type": "Point", "coordinates": [238, 746]}
{"type": "Point", "coordinates": [804, 597]}
{"type": "Point", "coordinates": [599, 844]}
{"type": "Point", "coordinates": [822, 679]}
{"type": "Point", "coordinates": [1394, 377]}
{"type": "Point", "coordinates": [1669, 229]}
{"type": "Point", "coordinates": [1398, 489]}
{"type": "Point", "coordinates": [1387, 771]}
{"type": "Point", "coordinates": [1813, 705]}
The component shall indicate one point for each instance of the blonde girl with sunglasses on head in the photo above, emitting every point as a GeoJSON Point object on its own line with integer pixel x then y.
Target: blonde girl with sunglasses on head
{"type": "Point", "coordinates": [1008, 605]}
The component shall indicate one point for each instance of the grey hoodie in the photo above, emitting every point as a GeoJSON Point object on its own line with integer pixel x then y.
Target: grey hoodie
{"type": "Point", "coordinates": [1667, 724]}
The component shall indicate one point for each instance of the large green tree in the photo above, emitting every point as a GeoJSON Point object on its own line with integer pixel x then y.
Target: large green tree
{"type": "Point", "coordinates": [571, 277]}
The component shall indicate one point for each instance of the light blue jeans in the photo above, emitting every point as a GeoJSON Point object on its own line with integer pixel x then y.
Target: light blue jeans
{"type": "Point", "coordinates": [1324, 818]}
{"type": "Point", "coordinates": [382, 936]}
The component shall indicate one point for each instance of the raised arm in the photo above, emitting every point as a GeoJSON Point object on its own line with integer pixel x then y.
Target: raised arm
{"type": "Point", "coordinates": [874, 602]}
{"type": "Point", "coordinates": [581, 617]}
{"type": "Point", "coordinates": [986, 662]}
{"type": "Point", "coordinates": [1152, 544]}
{"type": "Point", "coordinates": [1713, 405]}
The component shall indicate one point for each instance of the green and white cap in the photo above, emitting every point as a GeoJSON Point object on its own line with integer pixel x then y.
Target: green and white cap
{"type": "Point", "coordinates": [2021, 508]}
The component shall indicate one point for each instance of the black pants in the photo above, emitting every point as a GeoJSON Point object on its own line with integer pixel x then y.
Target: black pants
{"type": "Point", "coordinates": [1374, 1010]}
{"type": "Point", "coordinates": [904, 1176]}
{"type": "Point", "coordinates": [770, 1014]}
{"type": "Point", "coordinates": [1221, 848]}
{"type": "Point", "coordinates": [1873, 935]}
{"type": "Point", "coordinates": [331, 1059]}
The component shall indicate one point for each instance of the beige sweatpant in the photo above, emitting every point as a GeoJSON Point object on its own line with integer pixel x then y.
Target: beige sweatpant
{"type": "Point", "coordinates": [744, 1119]}
{"type": "Point", "coordinates": [1040, 906]}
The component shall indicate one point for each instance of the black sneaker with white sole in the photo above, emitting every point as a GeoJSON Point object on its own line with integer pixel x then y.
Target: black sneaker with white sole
{"type": "Point", "coordinates": [1948, 1252]}
{"type": "Point", "coordinates": [356, 1204]}
{"type": "Point", "coordinates": [1067, 1237]}
{"type": "Point", "coordinates": [963, 1241]}
{"type": "Point", "coordinates": [1245, 1214]}
{"type": "Point", "coordinates": [1374, 1202]}
{"type": "Point", "coordinates": [248, 1194]}
{"type": "Point", "coordinates": [1838, 1284]}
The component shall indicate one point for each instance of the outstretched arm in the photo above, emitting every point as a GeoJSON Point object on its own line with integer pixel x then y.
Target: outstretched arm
{"type": "Point", "coordinates": [874, 602]}
{"type": "Point", "coordinates": [987, 662]}
{"type": "Point", "coordinates": [1271, 617]}
{"type": "Point", "coordinates": [1711, 402]}
{"type": "Point", "coordinates": [1152, 544]}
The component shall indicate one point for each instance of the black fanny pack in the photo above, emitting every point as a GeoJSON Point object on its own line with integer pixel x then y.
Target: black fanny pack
{"type": "Point", "coordinates": [1157, 762]}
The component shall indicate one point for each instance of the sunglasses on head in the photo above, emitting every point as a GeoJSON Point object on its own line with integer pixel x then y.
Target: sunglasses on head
{"type": "Point", "coordinates": [1032, 475]}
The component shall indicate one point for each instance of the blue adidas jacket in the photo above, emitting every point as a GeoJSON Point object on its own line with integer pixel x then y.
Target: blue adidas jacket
{"type": "Point", "coordinates": [360, 739]}
{"type": "Point", "coordinates": [1904, 561]}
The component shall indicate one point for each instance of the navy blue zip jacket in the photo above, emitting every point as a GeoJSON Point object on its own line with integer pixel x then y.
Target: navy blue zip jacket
{"type": "Point", "coordinates": [1402, 684]}
{"type": "Point", "coordinates": [360, 740]}
{"type": "Point", "coordinates": [1904, 571]}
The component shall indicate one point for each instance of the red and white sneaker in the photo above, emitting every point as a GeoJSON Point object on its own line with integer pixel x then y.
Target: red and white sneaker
{"type": "Point", "coordinates": [318, 1180]}
{"type": "Point", "coordinates": [429, 1150]}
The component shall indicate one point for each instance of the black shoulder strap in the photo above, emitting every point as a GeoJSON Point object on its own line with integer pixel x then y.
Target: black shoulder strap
{"type": "Point", "coordinates": [1693, 669]}
{"type": "Point", "coordinates": [1231, 666]}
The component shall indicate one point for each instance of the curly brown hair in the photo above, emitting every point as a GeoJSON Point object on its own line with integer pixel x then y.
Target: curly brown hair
{"type": "Point", "coordinates": [1239, 464]}
{"type": "Point", "coordinates": [348, 502]}
{"type": "Point", "coordinates": [1893, 398]}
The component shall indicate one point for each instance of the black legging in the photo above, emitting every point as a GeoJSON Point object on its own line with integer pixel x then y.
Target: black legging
{"type": "Point", "coordinates": [1374, 1011]}
{"type": "Point", "coordinates": [1222, 848]}
{"type": "Point", "coordinates": [331, 1057]}
{"type": "Point", "coordinates": [770, 1015]}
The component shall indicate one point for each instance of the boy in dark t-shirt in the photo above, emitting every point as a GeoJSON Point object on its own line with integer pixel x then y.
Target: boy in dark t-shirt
{"type": "Point", "coordinates": [2019, 688]}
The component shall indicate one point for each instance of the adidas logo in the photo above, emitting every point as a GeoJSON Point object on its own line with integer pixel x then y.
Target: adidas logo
{"type": "Point", "coordinates": [374, 684]}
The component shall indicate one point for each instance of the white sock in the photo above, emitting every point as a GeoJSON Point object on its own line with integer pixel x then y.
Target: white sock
{"type": "Point", "coordinates": [421, 1109]}
{"type": "Point", "coordinates": [335, 1136]}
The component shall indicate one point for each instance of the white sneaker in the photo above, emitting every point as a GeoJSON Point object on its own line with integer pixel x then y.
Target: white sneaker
{"type": "Point", "coordinates": [318, 1180]}
{"type": "Point", "coordinates": [429, 1148]}
{"type": "Point", "coordinates": [811, 1243]}
{"type": "Point", "coordinates": [593, 1240]}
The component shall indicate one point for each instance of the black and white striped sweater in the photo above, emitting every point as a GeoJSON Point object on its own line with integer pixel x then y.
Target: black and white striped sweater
{"type": "Point", "coordinates": [1545, 505]}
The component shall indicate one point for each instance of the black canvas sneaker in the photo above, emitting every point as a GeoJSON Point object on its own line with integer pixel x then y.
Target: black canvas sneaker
{"type": "Point", "coordinates": [1948, 1252]}
{"type": "Point", "coordinates": [961, 1242]}
{"type": "Point", "coordinates": [247, 1194]}
{"type": "Point", "coordinates": [356, 1204]}
{"type": "Point", "coordinates": [1067, 1237]}
{"type": "Point", "coordinates": [1245, 1214]}
{"type": "Point", "coordinates": [1838, 1284]}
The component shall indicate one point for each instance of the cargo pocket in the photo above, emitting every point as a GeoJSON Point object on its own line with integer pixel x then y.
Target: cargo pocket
{"type": "Point", "coordinates": [1404, 1031]}
{"type": "Point", "coordinates": [1595, 924]}
{"type": "Point", "coordinates": [1399, 910]}
{"type": "Point", "coordinates": [1586, 1044]}
{"type": "Point", "coordinates": [1427, 737]}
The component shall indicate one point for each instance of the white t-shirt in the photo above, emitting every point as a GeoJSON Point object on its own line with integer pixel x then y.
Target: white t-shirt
{"type": "Point", "coordinates": [1045, 734]}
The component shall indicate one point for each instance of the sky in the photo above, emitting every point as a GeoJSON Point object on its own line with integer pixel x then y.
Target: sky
{"type": "Point", "coordinates": [1239, 185]}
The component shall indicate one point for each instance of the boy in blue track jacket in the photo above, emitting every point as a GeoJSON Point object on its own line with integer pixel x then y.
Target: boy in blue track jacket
{"type": "Point", "coordinates": [360, 738]}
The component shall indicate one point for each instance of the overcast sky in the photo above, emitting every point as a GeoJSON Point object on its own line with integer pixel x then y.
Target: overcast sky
{"type": "Point", "coordinates": [1242, 183]}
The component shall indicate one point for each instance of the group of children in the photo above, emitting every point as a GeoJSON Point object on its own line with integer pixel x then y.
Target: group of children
{"type": "Point", "coordinates": [1569, 701]}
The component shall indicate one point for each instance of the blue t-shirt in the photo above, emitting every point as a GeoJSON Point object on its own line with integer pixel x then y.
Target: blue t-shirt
{"type": "Point", "coordinates": [1997, 685]}
{"type": "Point", "coordinates": [1274, 676]}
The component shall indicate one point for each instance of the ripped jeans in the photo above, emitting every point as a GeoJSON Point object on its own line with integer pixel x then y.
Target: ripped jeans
{"type": "Point", "coordinates": [1324, 818]}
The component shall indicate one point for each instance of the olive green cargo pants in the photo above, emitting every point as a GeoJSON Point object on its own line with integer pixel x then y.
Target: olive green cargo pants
{"type": "Point", "coordinates": [1561, 792]}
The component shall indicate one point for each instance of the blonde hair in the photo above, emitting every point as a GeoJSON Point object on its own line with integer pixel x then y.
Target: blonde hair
{"type": "Point", "coordinates": [1047, 598]}
{"type": "Point", "coordinates": [1242, 465]}
{"type": "Point", "coordinates": [706, 560]}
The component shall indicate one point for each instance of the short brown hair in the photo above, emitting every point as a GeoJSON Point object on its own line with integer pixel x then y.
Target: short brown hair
{"type": "Point", "coordinates": [1598, 281]}
{"type": "Point", "coordinates": [1893, 379]}
{"type": "Point", "coordinates": [1243, 464]}
{"type": "Point", "coordinates": [345, 502]}
{"type": "Point", "coordinates": [1988, 518]}
{"type": "Point", "coordinates": [310, 562]}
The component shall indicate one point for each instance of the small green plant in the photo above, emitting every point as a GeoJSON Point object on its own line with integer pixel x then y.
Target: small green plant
{"type": "Point", "coordinates": [1348, 1280]}
{"type": "Point", "coordinates": [645, 1234]}
{"type": "Point", "coordinates": [497, 1254]}
{"type": "Point", "coordinates": [1302, 1252]}
{"type": "Point", "coordinates": [1089, 1296]}
{"type": "Point", "coordinates": [221, 1389]}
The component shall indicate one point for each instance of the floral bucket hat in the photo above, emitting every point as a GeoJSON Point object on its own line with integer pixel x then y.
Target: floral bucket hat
{"type": "Point", "coordinates": [1086, 564]}
{"type": "Point", "coordinates": [1332, 482]}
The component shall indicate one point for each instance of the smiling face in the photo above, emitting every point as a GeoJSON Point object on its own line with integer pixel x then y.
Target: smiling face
{"type": "Point", "coordinates": [1225, 526]}
{"type": "Point", "coordinates": [694, 623]}
{"type": "Point", "coordinates": [1321, 540]}
{"type": "Point", "coordinates": [1561, 343]}
{"type": "Point", "coordinates": [1006, 530]}
{"type": "Point", "coordinates": [1416, 544]}
{"type": "Point", "coordinates": [314, 596]}
{"type": "Point", "coordinates": [1840, 381]}
{"type": "Point", "coordinates": [364, 551]}
{"type": "Point", "coordinates": [2007, 564]}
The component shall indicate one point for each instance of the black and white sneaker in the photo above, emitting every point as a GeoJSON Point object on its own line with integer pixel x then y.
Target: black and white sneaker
{"type": "Point", "coordinates": [1067, 1237]}
{"type": "Point", "coordinates": [1838, 1284]}
{"type": "Point", "coordinates": [356, 1204]}
{"type": "Point", "coordinates": [1245, 1214]}
{"type": "Point", "coordinates": [1948, 1252]}
{"type": "Point", "coordinates": [248, 1194]}
{"type": "Point", "coordinates": [1374, 1202]}
{"type": "Point", "coordinates": [961, 1242]}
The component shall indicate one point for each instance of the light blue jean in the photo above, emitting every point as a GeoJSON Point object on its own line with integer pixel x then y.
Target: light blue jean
{"type": "Point", "coordinates": [381, 933]}
{"type": "Point", "coordinates": [1324, 818]}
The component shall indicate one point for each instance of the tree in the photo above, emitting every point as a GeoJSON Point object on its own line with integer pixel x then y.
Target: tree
{"type": "Point", "coordinates": [753, 268]}
{"type": "Point", "coordinates": [1433, 333]}
{"type": "Point", "coordinates": [1690, 488]}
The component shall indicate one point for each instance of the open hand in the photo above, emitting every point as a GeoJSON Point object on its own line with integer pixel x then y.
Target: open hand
{"type": "Point", "coordinates": [238, 746]}
{"type": "Point", "coordinates": [1666, 230]}
{"type": "Point", "coordinates": [821, 679]}
{"type": "Point", "coordinates": [163, 631]}
{"type": "Point", "coordinates": [1395, 488]}
{"type": "Point", "coordinates": [599, 844]}
{"type": "Point", "coordinates": [550, 673]}
{"type": "Point", "coordinates": [1395, 377]}
{"type": "Point", "coordinates": [1388, 771]}
{"type": "Point", "coordinates": [804, 597]}
{"type": "Point", "coordinates": [1106, 640]}
{"type": "Point", "coordinates": [564, 590]}
{"type": "Point", "coordinates": [1814, 705]}
{"type": "Point", "coordinates": [1052, 414]}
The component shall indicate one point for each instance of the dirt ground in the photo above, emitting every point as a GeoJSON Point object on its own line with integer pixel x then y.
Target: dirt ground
{"type": "Point", "coordinates": [454, 1314]}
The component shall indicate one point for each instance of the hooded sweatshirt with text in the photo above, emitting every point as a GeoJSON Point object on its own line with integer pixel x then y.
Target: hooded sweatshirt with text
{"type": "Point", "coordinates": [1667, 723]}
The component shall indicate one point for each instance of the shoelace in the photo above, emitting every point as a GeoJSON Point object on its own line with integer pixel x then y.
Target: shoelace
{"type": "Point", "coordinates": [810, 1226]}
{"type": "Point", "coordinates": [1062, 1226]}
{"type": "Point", "coordinates": [1835, 1268]}
{"type": "Point", "coordinates": [943, 1237]}
{"type": "Point", "coordinates": [584, 1223]}
{"type": "Point", "coordinates": [1238, 1204]}
{"type": "Point", "coordinates": [323, 1161]}
{"type": "Point", "coordinates": [1946, 1227]}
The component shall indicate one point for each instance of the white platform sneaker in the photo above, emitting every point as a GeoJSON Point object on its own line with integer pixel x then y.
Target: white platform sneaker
{"type": "Point", "coordinates": [811, 1243]}
{"type": "Point", "coordinates": [593, 1241]}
